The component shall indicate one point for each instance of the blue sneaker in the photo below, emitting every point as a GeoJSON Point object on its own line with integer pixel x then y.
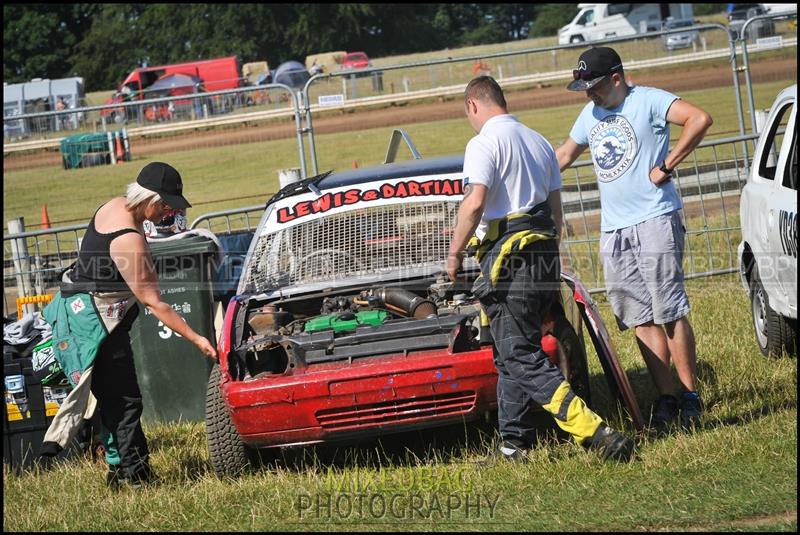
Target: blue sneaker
{"type": "Point", "coordinates": [691, 410]}
{"type": "Point", "coordinates": [664, 412]}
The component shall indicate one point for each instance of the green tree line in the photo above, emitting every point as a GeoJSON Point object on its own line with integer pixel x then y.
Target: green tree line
{"type": "Point", "coordinates": [103, 42]}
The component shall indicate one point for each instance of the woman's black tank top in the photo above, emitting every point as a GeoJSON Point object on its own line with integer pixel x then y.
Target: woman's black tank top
{"type": "Point", "coordinates": [95, 265]}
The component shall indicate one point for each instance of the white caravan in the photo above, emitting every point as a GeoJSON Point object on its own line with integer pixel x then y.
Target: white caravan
{"type": "Point", "coordinates": [602, 21]}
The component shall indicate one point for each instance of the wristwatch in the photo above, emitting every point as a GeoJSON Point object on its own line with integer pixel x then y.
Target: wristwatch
{"type": "Point", "coordinates": [664, 169]}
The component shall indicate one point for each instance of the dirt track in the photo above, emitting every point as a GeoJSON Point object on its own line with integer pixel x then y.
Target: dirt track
{"type": "Point", "coordinates": [675, 80]}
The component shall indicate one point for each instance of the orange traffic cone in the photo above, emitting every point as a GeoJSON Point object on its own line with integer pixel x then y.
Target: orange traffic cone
{"type": "Point", "coordinates": [45, 217]}
{"type": "Point", "coordinates": [120, 150]}
{"type": "Point", "coordinates": [355, 164]}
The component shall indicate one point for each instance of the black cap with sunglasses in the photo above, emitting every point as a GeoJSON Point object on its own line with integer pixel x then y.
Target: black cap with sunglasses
{"type": "Point", "coordinates": [164, 180]}
{"type": "Point", "coordinates": [594, 65]}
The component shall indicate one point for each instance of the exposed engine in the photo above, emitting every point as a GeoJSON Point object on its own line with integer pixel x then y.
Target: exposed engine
{"type": "Point", "coordinates": [299, 332]}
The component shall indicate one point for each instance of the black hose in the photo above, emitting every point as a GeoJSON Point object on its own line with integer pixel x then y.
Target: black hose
{"type": "Point", "coordinates": [412, 304]}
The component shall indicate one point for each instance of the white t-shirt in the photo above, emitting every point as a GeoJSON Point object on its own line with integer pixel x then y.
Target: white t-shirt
{"type": "Point", "coordinates": [517, 164]}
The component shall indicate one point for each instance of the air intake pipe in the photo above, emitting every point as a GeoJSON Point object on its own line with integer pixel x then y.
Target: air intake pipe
{"type": "Point", "coordinates": [401, 301]}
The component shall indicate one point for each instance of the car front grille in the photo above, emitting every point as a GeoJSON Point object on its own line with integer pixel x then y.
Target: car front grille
{"type": "Point", "coordinates": [396, 411]}
{"type": "Point", "coordinates": [356, 243]}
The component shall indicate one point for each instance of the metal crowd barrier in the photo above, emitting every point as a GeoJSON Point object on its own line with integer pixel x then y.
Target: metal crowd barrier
{"type": "Point", "coordinates": [709, 183]}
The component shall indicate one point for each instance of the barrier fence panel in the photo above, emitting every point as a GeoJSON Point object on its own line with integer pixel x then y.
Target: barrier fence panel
{"type": "Point", "coordinates": [146, 108]}
{"type": "Point", "coordinates": [229, 221]}
{"type": "Point", "coordinates": [157, 126]}
{"type": "Point", "coordinates": [761, 32]}
{"type": "Point", "coordinates": [534, 80]}
{"type": "Point", "coordinates": [33, 260]}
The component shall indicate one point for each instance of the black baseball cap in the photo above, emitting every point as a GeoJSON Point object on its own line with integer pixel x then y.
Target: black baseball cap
{"type": "Point", "coordinates": [594, 65]}
{"type": "Point", "coordinates": [164, 180]}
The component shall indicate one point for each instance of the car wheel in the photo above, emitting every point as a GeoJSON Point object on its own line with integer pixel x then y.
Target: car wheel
{"type": "Point", "coordinates": [773, 332]}
{"type": "Point", "coordinates": [228, 454]}
{"type": "Point", "coordinates": [576, 39]}
{"type": "Point", "coordinates": [572, 357]}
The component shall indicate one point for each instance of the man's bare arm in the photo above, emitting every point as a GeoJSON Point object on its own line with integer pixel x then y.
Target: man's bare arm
{"type": "Point", "coordinates": [695, 122]}
{"type": "Point", "coordinates": [554, 200]}
{"type": "Point", "coordinates": [567, 153]}
{"type": "Point", "coordinates": [467, 220]}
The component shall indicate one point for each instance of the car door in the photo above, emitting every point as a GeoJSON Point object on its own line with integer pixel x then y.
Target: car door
{"type": "Point", "coordinates": [783, 222]}
{"type": "Point", "coordinates": [778, 267]}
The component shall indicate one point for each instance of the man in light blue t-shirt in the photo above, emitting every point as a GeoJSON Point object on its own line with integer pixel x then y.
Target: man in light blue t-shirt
{"type": "Point", "coordinates": [626, 130]}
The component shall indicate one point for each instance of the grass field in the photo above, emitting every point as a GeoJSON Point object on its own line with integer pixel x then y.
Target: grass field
{"type": "Point", "coordinates": [737, 472]}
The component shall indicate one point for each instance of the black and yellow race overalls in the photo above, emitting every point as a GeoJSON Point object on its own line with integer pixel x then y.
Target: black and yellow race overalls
{"type": "Point", "coordinates": [519, 282]}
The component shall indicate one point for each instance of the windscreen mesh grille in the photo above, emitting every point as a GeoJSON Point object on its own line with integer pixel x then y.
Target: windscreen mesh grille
{"type": "Point", "coordinates": [361, 242]}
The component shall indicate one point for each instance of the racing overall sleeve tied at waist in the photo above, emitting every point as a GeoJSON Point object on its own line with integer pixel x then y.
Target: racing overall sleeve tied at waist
{"type": "Point", "coordinates": [512, 234]}
{"type": "Point", "coordinates": [81, 321]}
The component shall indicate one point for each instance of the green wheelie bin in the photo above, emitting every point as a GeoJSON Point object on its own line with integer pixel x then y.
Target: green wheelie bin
{"type": "Point", "coordinates": [172, 372]}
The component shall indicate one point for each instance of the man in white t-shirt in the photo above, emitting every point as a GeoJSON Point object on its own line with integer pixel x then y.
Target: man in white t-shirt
{"type": "Point", "coordinates": [642, 236]}
{"type": "Point", "coordinates": [512, 198]}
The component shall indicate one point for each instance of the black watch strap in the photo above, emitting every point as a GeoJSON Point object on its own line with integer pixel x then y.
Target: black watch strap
{"type": "Point", "coordinates": [664, 169]}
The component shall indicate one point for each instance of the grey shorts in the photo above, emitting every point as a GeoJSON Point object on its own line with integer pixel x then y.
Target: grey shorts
{"type": "Point", "coordinates": [643, 267]}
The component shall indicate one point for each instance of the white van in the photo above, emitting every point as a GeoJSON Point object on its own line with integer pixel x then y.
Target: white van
{"type": "Point", "coordinates": [768, 212]}
{"type": "Point", "coordinates": [602, 21]}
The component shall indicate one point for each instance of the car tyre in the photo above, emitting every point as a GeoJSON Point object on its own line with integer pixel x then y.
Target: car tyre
{"type": "Point", "coordinates": [576, 39]}
{"type": "Point", "coordinates": [571, 350]}
{"type": "Point", "coordinates": [229, 456]}
{"type": "Point", "coordinates": [774, 334]}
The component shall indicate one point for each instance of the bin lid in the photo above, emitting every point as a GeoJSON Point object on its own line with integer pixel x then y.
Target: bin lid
{"type": "Point", "coordinates": [183, 246]}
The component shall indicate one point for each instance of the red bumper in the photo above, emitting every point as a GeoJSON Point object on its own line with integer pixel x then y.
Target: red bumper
{"type": "Point", "coordinates": [368, 397]}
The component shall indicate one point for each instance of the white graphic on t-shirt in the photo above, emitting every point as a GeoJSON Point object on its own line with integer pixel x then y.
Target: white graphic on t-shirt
{"type": "Point", "coordinates": [613, 145]}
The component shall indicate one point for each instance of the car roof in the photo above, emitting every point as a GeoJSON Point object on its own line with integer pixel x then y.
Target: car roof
{"type": "Point", "coordinates": [743, 11]}
{"type": "Point", "coordinates": [408, 168]}
{"type": "Point", "coordinates": [350, 177]}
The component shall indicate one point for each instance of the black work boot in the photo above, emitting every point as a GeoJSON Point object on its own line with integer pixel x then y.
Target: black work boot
{"type": "Point", "coordinates": [114, 478]}
{"type": "Point", "coordinates": [117, 478]}
{"type": "Point", "coordinates": [611, 444]}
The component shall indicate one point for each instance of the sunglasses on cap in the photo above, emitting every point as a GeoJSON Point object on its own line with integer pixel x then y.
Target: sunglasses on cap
{"type": "Point", "coordinates": [583, 74]}
{"type": "Point", "coordinates": [587, 75]}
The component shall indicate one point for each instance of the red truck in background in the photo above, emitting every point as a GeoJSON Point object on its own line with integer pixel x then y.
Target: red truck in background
{"type": "Point", "coordinates": [178, 79]}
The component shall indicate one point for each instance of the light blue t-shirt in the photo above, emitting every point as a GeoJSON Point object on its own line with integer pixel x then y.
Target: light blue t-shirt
{"type": "Point", "coordinates": [626, 143]}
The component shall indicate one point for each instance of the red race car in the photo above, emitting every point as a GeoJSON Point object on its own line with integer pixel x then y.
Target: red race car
{"type": "Point", "coordinates": [346, 327]}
